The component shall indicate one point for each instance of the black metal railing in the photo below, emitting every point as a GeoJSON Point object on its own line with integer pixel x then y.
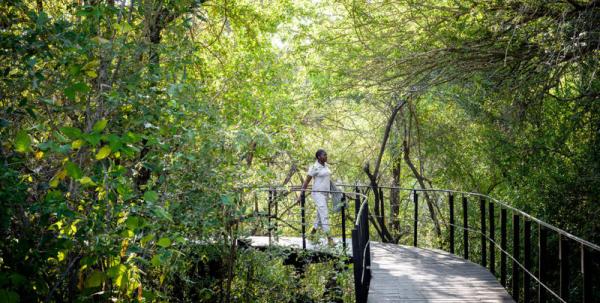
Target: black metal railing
{"type": "Point", "coordinates": [361, 250]}
{"type": "Point", "coordinates": [279, 216]}
{"type": "Point", "coordinates": [562, 268]}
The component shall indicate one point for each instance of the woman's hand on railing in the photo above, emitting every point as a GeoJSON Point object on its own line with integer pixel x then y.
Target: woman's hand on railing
{"type": "Point", "coordinates": [302, 194]}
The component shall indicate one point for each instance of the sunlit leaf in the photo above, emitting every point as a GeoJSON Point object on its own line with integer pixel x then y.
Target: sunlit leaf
{"type": "Point", "coordinates": [95, 279]}
{"type": "Point", "coordinates": [23, 142]}
{"type": "Point", "coordinates": [100, 125]}
{"type": "Point", "coordinates": [164, 242]}
{"type": "Point", "coordinates": [87, 181]}
{"type": "Point", "coordinates": [77, 144]}
{"type": "Point", "coordinates": [103, 152]}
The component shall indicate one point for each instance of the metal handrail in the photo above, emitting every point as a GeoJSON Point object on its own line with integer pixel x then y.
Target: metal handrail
{"type": "Point", "coordinates": [499, 202]}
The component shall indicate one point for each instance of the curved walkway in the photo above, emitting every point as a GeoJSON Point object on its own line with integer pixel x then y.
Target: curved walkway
{"type": "Point", "coordinates": [410, 274]}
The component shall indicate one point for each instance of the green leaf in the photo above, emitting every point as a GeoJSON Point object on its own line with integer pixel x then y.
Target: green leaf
{"type": "Point", "coordinates": [73, 170]}
{"type": "Point", "coordinates": [79, 87]}
{"type": "Point", "coordinates": [92, 138]}
{"type": "Point", "coordinates": [164, 242]}
{"type": "Point", "coordinates": [9, 296]}
{"type": "Point", "coordinates": [161, 213]}
{"type": "Point", "coordinates": [133, 222]}
{"type": "Point", "coordinates": [103, 152]}
{"type": "Point", "coordinates": [156, 260]}
{"type": "Point", "coordinates": [150, 196]}
{"type": "Point", "coordinates": [116, 271]}
{"type": "Point", "coordinates": [146, 239]}
{"type": "Point", "coordinates": [119, 274]}
{"type": "Point", "coordinates": [17, 279]}
{"type": "Point", "coordinates": [100, 125]}
{"type": "Point", "coordinates": [77, 144]}
{"type": "Point", "coordinates": [226, 200]}
{"type": "Point", "coordinates": [73, 133]}
{"type": "Point", "coordinates": [87, 181]}
{"type": "Point", "coordinates": [114, 142]}
{"type": "Point", "coordinates": [23, 142]}
{"type": "Point", "coordinates": [95, 279]}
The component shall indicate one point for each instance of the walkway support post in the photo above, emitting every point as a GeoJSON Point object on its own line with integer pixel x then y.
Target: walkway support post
{"type": "Point", "coordinates": [451, 203]}
{"type": "Point", "coordinates": [483, 240]}
{"type": "Point", "coordinates": [492, 220]}
{"type": "Point", "coordinates": [516, 254]}
{"type": "Point", "coordinates": [465, 228]}
{"type": "Point", "coordinates": [303, 215]}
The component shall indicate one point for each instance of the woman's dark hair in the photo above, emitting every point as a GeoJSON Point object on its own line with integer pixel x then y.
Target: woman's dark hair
{"type": "Point", "coordinates": [320, 152]}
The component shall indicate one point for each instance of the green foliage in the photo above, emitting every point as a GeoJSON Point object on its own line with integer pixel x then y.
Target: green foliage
{"type": "Point", "coordinates": [125, 128]}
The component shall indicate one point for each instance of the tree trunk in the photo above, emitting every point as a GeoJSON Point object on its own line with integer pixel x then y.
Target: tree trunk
{"type": "Point", "coordinates": [421, 180]}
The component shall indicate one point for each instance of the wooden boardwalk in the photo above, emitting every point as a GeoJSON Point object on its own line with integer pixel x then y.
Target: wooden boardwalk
{"type": "Point", "coordinates": [409, 274]}
{"type": "Point", "coordinates": [416, 275]}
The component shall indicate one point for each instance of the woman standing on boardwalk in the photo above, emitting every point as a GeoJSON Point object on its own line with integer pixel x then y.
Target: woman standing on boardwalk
{"type": "Point", "coordinates": [322, 175]}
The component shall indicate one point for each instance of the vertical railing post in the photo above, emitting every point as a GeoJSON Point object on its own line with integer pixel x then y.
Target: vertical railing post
{"type": "Point", "coordinates": [382, 206]}
{"type": "Point", "coordinates": [563, 256]}
{"type": "Point", "coordinates": [527, 261]}
{"type": "Point", "coordinates": [344, 222]}
{"type": "Point", "coordinates": [451, 203]}
{"type": "Point", "coordinates": [492, 238]}
{"type": "Point", "coordinates": [465, 228]}
{"type": "Point", "coordinates": [483, 240]}
{"type": "Point", "coordinates": [275, 216]}
{"type": "Point", "coordinates": [357, 257]}
{"type": "Point", "coordinates": [416, 219]}
{"type": "Point", "coordinates": [516, 253]}
{"type": "Point", "coordinates": [367, 251]}
{"type": "Point", "coordinates": [303, 216]}
{"type": "Point", "coordinates": [356, 202]}
{"type": "Point", "coordinates": [542, 262]}
{"type": "Point", "coordinates": [503, 246]}
{"type": "Point", "coordinates": [586, 273]}
{"type": "Point", "coordinates": [270, 201]}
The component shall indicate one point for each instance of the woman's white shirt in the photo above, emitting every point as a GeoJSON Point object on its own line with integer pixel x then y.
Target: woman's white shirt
{"type": "Point", "coordinates": [321, 174]}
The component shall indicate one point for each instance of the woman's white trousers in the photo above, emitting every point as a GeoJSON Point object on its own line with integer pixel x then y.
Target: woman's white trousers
{"type": "Point", "coordinates": [321, 219]}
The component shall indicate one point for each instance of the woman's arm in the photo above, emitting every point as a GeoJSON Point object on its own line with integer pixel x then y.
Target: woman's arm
{"type": "Point", "coordinates": [303, 188]}
{"type": "Point", "coordinates": [305, 185]}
